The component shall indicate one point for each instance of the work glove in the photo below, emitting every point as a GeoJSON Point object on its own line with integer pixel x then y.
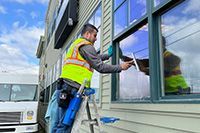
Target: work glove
{"type": "Point", "coordinates": [110, 51]}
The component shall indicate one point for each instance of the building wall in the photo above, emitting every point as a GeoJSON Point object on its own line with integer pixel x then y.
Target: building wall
{"type": "Point", "coordinates": [136, 117]}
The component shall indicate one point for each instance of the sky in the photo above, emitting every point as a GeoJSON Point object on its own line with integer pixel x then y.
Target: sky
{"type": "Point", "coordinates": [21, 25]}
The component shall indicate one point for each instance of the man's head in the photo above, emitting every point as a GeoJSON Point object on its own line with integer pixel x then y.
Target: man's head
{"type": "Point", "coordinates": [89, 32]}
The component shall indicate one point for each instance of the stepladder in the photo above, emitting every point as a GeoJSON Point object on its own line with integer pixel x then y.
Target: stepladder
{"type": "Point", "coordinates": [88, 119]}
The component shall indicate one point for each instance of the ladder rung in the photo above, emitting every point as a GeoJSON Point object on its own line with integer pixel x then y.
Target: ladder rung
{"type": "Point", "coordinates": [91, 122]}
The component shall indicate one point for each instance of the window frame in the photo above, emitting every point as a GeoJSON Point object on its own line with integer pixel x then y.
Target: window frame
{"type": "Point", "coordinates": [152, 18]}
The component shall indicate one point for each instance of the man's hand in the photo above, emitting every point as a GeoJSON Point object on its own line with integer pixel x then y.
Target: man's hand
{"type": "Point", "coordinates": [126, 65]}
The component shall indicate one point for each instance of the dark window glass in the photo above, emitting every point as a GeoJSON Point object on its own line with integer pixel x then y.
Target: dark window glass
{"type": "Point", "coordinates": [54, 87]}
{"type": "Point", "coordinates": [137, 9]}
{"type": "Point", "coordinates": [180, 42]}
{"type": "Point", "coordinates": [121, 18]}
{"type": "Point", "coordinates": [46, 98]}
{"type": "Point", "coordinates": [134, 83]}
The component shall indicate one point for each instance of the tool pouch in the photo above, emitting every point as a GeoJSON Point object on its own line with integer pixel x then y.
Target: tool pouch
{"type": "Point", "coordinates": [64, 98]}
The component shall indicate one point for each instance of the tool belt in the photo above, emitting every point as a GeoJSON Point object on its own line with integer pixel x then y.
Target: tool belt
{"type": "Point", "coordinates": [64, 93]}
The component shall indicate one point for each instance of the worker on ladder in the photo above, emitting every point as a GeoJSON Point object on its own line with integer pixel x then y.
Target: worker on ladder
{"type": "Point", "coordinates": [79, 63]}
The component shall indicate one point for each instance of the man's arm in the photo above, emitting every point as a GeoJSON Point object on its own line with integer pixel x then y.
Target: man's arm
{"type": "Point", "coordinates": [104, 56]}
{"type": "Point", "coordinates": [89, 53]}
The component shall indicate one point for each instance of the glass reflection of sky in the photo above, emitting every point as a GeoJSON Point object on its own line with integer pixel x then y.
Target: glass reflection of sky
{"type": "Point", "coordinates": [127, 13]}
{"type": "Point", "coordinates": [98, 17]}
{"type": "Point", "coordinates": [117, 3]}
{"type": "Point", "coordinates": [181, 27]}
{"type": "Point", "coordinates": [96, 20]}
{"type": "Point", "coordinates": [157, 2]}
{"type": "Point", "coordinates": [95, 83]}
{"type": "Point", "coordinates": [134, 84]}
{"type": "Point", "coordinates": [97, 43]}
{"type": "Point", "coordinates": [120, 18]}
{"type": "Point", "coordinates": [136, 43]}
{"type": "Point", "coordinates": [137, 9]}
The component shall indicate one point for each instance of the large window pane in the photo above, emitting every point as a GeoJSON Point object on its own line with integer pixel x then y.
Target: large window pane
{"type": "Point", "coordinates": [117, 3]}
{"type": "Point", "coordinates": [157, 2]}
{"type": "Point", "coordinates": [23, 92]}
{"type": "Point", "coordinates": [98, 17]}
{"type": "Point", "coordinates": [134, 83]}
{"type": "Point", "coordinates": [120, 18]}
{"type": "Point", "coordinates": [95, 83]}
{"type": "Point", "coordinates": [181, 36]}
{"type": "Point", "coordinates": [5, 92]}
{"type": "Point", "coordinates": [137, 9]}
{"type": "Point", "coordinates": [97, 43]}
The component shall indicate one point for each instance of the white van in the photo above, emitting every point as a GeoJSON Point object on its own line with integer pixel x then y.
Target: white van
{"type": "Point", "coordinates": [18, 103]}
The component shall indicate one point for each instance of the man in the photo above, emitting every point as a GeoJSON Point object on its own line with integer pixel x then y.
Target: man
{"type": "Point", "coordinates": [175, 83]}
{"type": "Point", "coordinates": [79, 63]}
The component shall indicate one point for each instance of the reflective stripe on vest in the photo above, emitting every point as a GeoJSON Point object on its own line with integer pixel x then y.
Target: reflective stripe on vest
{"type": "Point", "coordinates": [76, 68]}
{"type": "Point", "coordinates": [75, 53]}
{"type": "Point", "coordinates": [78, 62]}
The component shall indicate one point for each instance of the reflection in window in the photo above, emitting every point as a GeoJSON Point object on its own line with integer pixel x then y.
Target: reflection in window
{"type": "Point", "coordinates": [97, 21]}
{"type": "Point", "coordinates": [5, 92]}
{"type": "Point", "coordinates": [117, 3]}
{"type": "Point", "coordinates": [23, 92]}
{"type": "Point", "coordinates": [95, 83]}
{"type": "Point", "coordinates": [96, 18]}
{"type": "Point", "coordinates": [120, 18]}
{"type": "Point", "coordinates": [137, 9]}
{"type": "Point", "coordinates": [181, 30]}
{"type": "Point", "coordinates": [134, 84]}
{"type": "Point", "coordinates": [157, 2]}
{"type": "Point", "coordinates": [97, 43]}
{"type": "Point", "coordinates": [47, 91]}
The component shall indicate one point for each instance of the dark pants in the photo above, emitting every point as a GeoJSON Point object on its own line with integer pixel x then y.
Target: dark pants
{"type": "Point", "coordinates": [61, 128]}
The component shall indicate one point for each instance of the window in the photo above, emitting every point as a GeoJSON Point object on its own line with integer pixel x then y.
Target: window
{"type": "Point", "coordinates": [127, 13]}
{"type": "Point", "coordinates": [5, 92]}
{"type": "Point", "coordinates": [23, 92]}
{"type": "Point", "coordinates": [58, 69]}
{"type": "Point", "coordinates": [46, 96]}
{"type": "Point", "coordinates": [96, 20]}
{"type": "Point", "coordinates": [137, 9]}
{"type": "Point", "coordinates": [134, 83]}
{"type": "Point", "coordinates": [18, 92]}
{"type": "Point", "coordinates": [117, 3]}
{"type": "Point", "coordinates": [157, 2]}
{"type": "Point", "coordinates": [180, 29]}
{"type": "Point", "coordinates": [120, 15]}
{"type": "Point", "coordinates": [169, 44]}
{"type": "Point", "coordinates": [95, 83]}
{"type": "Point", "coordinates": [54, 87]}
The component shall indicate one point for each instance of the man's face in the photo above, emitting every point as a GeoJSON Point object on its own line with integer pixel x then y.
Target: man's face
{"type": "Point", "coordinates": [91, 36]}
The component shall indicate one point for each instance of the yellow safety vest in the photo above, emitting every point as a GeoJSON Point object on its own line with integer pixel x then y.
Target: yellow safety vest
{"type": "Point", "coordinates": [76, 68]}
{"type": "Point", "coordinates": [174, 80]}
